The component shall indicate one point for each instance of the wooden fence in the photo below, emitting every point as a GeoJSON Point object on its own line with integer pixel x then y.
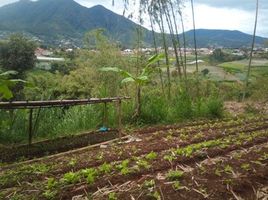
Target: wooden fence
{"type": "Point", "coordinates": [31, 105]}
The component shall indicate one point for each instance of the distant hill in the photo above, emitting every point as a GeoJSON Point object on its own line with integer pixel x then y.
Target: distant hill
{"type": "Point", "coordinates": [66, 20]}
{"type": "Point", "coordinates": [222, 38]}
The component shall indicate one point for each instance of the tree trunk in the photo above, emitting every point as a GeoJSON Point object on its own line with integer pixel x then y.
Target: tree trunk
{"type": "Point", "coordinates": [138, 103]}
{"type": "Point", "coordinates": [156, 51]}
{"type": "Point", "coordinates": [161, 25]}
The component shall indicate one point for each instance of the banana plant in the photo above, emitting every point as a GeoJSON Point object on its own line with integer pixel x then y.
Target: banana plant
{"type": "Point", "coordinates": [6, 84]}
{"type": "Point", "coordinates": [140, 80]}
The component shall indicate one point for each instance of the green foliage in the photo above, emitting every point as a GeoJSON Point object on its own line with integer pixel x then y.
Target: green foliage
{"type": "Point", "coordinates": [142, 78]}
{"type": "Point", "coordinates": [148, 184]}
{"type": "Point", "coordinates": [174, 175]}
{"type": "Point", "coordinates": [51, 183]}
{"type": "Point", "coordinates": [50, 194]}
{"type": "Point", "coordinates": [6, 84]}
{"type": "Point", "coordinates": [177, 185]}
{"type": "Point", "coordinates": [17, 54]}
{"type": "Point", "coordinates": [154, 108]}
{"type": "Point", "coordinates": [123, 167]}
{"type": "Point", "coordinates": [211, 107]}
{"type": "Point", "coordinates": [71, 178]}
{"type": "Point", "coordinates": [220, 56]}
{"type": "Point", "coordinates": [62, 67]}
{"type": "Point", "coordinates": [105, 168]}
{"type": "Point", "coordinates": [143, 164]}
{"type": "Point", "coordinates": [151, 156]}
{"type": "Point", "coordinates": [112, 196]}
{"type": "Point", "coordinates": [72, 162]}
{"type": "Point", "coordinates": [90, 175]}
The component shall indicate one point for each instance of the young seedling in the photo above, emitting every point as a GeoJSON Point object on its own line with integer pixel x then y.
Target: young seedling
{"type": "Point", "coordinates": [177, 185]}
{"type": "Point", "coordinates": [143, 164]}
{"type": "Point", "coordinates": [228, 169]}
{"type": "Point", "coordinates": [71, 178]}
{"type": "Point", "coordinates": [245, 166]}
{"type": "Point", "coordinates": [169, 158]}
{"type": "Point", "coordinates": [105, 168]}
{"type": "Point", "coordinates": [147, 184]}
{"type": "Point", "coordinates": [123, 167]}
{"type": "Point", "coordinates": [174, 175]}
{"type": "Point", "coordinates": [151, 156]}
{"type": "Point", "coordinates": [72, 162]}
{"type": "Point", "coordinates": [112, 196]}
{"type": "Point", "coordinates": [90, 175]}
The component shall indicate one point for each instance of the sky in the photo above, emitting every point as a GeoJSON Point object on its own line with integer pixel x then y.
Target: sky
{"type": "Point", "coordinates": [209, 14]}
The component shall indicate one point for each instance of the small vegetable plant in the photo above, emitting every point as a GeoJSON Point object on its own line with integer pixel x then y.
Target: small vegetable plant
{"type": "Point", "coordinates": [174, 175]}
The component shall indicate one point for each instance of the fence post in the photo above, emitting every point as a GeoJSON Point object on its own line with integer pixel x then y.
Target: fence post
{"type": "Point", "coordinates": [105, 115]}
{"type": "Point", "coordinates": [30, 126]}
{"type": "Point", "coordinates": [119, 113]}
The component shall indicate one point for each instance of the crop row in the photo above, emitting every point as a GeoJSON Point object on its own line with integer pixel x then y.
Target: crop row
{"type": "Point", "coordinates": [228, 176]}
{"type": "Point", "coordinates": [152, 161]}
{"type": "Point", "coordinates": [37, 171]}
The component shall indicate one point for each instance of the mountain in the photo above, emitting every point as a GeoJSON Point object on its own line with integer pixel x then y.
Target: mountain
{"type": "Point", "coordinates": [61, 19]}
{"type": "Point", "coordinates": [57, 21]}
{"type": "Point", "coordinates": [222, 38]}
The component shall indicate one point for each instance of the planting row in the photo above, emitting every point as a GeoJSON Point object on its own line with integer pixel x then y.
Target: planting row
{"type": "Point", "coordinates": [91, 178]}
{"type": "Point", "coordinates": [116, 152]}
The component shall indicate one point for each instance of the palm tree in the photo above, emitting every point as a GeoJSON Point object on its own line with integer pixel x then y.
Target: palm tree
{"type": "Point", "coordinates": [251, 52]}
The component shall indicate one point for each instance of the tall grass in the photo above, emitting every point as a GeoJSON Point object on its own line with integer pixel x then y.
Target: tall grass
{"type": "Point", "coordinates": [156, 109]}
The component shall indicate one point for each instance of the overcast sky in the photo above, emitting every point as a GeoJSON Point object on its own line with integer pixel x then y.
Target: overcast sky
{"type": "Point", "coordinates": [211, 14]}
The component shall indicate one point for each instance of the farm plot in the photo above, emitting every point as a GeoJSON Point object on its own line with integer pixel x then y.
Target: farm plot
{"type": "Point", "coordinates": [206, 160]}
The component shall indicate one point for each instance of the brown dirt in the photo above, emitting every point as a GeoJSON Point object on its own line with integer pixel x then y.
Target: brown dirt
{"type": "Point", "coordinates": [247, 137]}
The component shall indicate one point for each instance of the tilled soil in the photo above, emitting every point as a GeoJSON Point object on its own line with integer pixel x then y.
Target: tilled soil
{"type": "Point", "coordinates": [223, 159]}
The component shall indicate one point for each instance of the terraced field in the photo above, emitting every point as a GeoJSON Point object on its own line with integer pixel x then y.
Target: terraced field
{"type": "Point", "coordinates": [223, 159]}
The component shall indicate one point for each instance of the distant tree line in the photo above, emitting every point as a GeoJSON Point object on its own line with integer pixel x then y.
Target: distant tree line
{"type": "Point", "coordinates": [219, 56]}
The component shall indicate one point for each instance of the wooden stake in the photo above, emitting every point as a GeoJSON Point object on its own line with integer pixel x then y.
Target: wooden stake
{"type": "Point", "coordinates": [105, 115]}
{"type": "Point", "coordinates": [119, 113]}
{"type": "Point", "coordinates": [30, 127]}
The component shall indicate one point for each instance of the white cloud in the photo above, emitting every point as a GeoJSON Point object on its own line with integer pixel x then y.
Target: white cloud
{"type": "Point", "coordinates": [226, 18]}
